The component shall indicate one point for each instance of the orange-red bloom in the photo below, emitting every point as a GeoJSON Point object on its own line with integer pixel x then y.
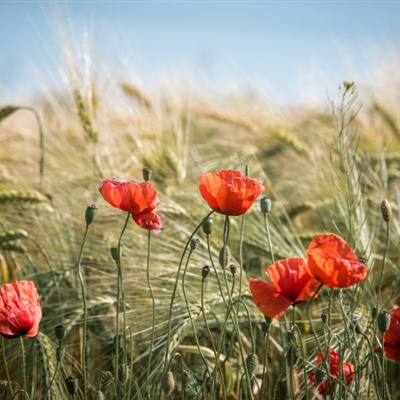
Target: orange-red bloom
{"type": "Point", "coordinates": [334, 370]}
{"type": "Point", "coordinates": [20, 311]}
{"type": "Point", "coordinates": [229, 192]}
{"type": "Point", "coordinates": [292, 284]}
{"type": "Point", "coordinates": [150, 221]}
{"type": "Point", "coordinates": [133, 197]}
{"type": "Point", "coordinates": [332, 261]}
{"type": "Point", "coordinates": [392, 336]}
{"type": "Point", "coordinates": [137, 198]}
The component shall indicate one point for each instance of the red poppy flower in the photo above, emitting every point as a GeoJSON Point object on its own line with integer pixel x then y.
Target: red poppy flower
{"type": "Point", "coordinates": [334, 370]}
{"type": "Point", "coordinates": [292, 284]}
{"type": "Point", "coordinates": [229, 192]}
{"type": "Point", "coordinates": [133, 197]}
{"type": "Point", "coordinates": [392, 336]}
{"type": "Point", "coordinates": [150, 221]}
{"type": "Point", "coordinates": [332, 261]}
{"type": "Point", "coordinates": [20, 311]}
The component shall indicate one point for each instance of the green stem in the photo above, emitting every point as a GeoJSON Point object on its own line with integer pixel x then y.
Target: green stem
{"type": "Point", "coordinates": [153, 312]}
{"type": "Point", "coordinates": [265, 376]}
{"type": "Point", "coordinates": [174, 294]}
{"type": "Point", "coordinates": [84, 344]}
{"type": "Point", "coordinates": [21, 343]}
{"type": "Point", "coordinates": [119, 290]}
{"type": "Point", "coordinates": [383, 264]}
{"type": "Point", "coordinates": [268, 237]}
{"type": "Point", "coordinates": [6, 366]}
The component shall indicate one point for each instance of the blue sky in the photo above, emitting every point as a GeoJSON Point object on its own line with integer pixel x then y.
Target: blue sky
{"type": "Point", "coordinates": [289, 49]}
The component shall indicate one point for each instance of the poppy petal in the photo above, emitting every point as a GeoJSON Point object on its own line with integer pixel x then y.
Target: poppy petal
{"type": "Point", "coordinates": [332, 261]}
{"type": "Point", "coordinates": [150, 221]}
{"type": "Point", "coordinates": [267, 299]}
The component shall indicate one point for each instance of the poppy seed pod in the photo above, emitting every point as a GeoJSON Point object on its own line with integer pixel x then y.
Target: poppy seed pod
{"type": "Point", "coordinates": [90, 214]}
{"type": "Point", "coordinates": [252, 364]}
{"type": "Point", "coordinates": [265, 205]}
{"type": "Point", "coordinates": [204, 272]}
{"type": "Point", "coordinates": [383, 321]}
{"type": "Point", "coordinates": [208, 225]}
{"type": "Point", "coordinates": [224, 257]}
{"type": "Point", "coordinates": [386, 210]}
{"type": "Point", "coordinates": [59, 330]}
{"type": "Point", "coordinates": [72, 385]}
{"type": "Point", "coordinates": [147, 172]}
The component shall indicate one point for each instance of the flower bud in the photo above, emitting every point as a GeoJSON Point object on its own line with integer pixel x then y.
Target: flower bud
{"type": "Point", "coordinates": [207, 226]}
{"type": "Point", "coordinates": [233, 269]}
{"type": "Point", "coordinates": [224, 257]}
{"type": "Point", "coordinates": [374, 312]}
{"type": "Point", "coordinates": [114, 253]}
{"type": "Point", "coordinates": [386, 210]}
{"type": "Point", "coordinates": [383, 321]}
{"type": "Point", "coordinates": [265, 205]}
{"type": "Point", "coordinates": [289, 335]}
{"type": "Point", "coordinates": [90, 214]}
{"type": "Point", "coordinates": [320, 374]}
{"type": "Point", "coordinates": [147, 172]}
{"type": "Point", "coordinates": [122, 372]}
{"type": "Point", "coordinates": [72, 385]}
{"type": "Point", "coordinates": [168, 385]}
{"type": "Point", "coordinates": [193, 244]}
{"type": "Point", "coordinates": [357, 328]}
{"type": "Point", "coordinates": [204, 272]}
{"type": "Point", "coordinates": [60, 332]}
{"type": "Point", "coordinates": [324, 317]}
{"type": "Point", "coordinates": [118, 339]}
{"type": "Point", "coordinates": [252, 364]}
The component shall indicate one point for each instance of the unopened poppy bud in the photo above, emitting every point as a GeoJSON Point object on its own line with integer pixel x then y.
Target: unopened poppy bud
{"type": "Point", "coordinates": [90, 214]}
{"type": "Point", "coordinates": [99, 395]}
{"type": "Point", "coordinates": [324, 317]}
{"type": "Point", "coordinates": [60, 352]}
{"type": "Point", "coordinates": [72, 385]}
{"type": "Point", "coordinates": [224, 257]}
{"type": "Point", "coordinates": [118, 338]}
{"type": "Point", "coordinates": [114, 253]}
{"type": "Point", "coordinates": [386, 210]}
{"type": "Point", "coordinates": [193, 244]}
{"type": "Point", "coordinates": [59, 330]}
{"type": "Point", "coordinates": [168, 385]}
{"type": "Point", "coordinates": [289, 335]}
{"type": "Point", "coordinates": [204, 272]}
{"type": "Point", "coordinates": [252, 364]}
{"type": "Point", "coordinates": [374, 312]}
{"type": "Point", "coordinates": [265, 205]}
{"type": "Point", "coordinates": [268, 320]}
{"type": "Point", "coordinates": [208, 225]}
{"type": "Point", "coordinates": [357, 328]}
{"type": "Point", "coordinates": [383, 321]}
{"type": "Point", "coordinates": [320, 374]}
{"type": "Point", "coordinates": [147, 174]}
{"type": "Point", "coordinates": [233, 269]}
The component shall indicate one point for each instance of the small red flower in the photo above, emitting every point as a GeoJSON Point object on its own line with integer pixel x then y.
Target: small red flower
{"type": "Point", "coordinates": [332, 261]}
{"type": "Point", "coordinates": [150, 221]}
{"type": "Point", "coordinates": [292, 284]}
{"type": "Point", "coordinates": [334, 370]}
{"type": "Point", "coordinates": [229, 192]}
{"type": "Point", "coordinates": [392, 336]}
{"type": "Point", "coordinates": [133, 197]}
{"type": "Point", "coordinates": [20, 311]}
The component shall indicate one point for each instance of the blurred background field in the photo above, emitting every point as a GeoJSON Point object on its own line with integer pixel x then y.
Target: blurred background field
{"type": "Point", "coordinates": [102, 122]}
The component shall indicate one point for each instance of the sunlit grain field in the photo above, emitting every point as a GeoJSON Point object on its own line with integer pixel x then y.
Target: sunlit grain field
{"type": "Point", "coordinates": [150, 312]}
